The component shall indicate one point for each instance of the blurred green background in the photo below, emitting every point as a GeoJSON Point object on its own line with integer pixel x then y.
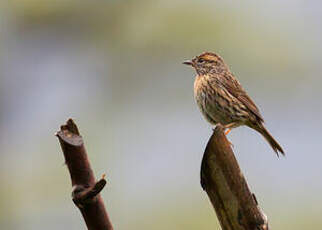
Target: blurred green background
{"type": "Point", "coordinates": [115, 67]}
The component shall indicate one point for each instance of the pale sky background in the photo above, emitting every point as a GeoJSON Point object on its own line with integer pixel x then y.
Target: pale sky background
{"type": "Point", "coordinates": [115, 67]}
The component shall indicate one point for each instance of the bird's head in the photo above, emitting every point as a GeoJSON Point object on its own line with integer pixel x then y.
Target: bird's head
{"type": "Point", "coordinates": [207, 63]}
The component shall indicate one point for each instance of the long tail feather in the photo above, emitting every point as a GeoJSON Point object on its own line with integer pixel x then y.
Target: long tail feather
{"type": "Point", "coordinates": [270, 139]}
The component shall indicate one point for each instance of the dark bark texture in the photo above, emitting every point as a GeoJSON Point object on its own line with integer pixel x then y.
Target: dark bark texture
{"type": "Point", "coordinates": [236, 207]}
{"type": "Point", "coordinates": [86, 189]}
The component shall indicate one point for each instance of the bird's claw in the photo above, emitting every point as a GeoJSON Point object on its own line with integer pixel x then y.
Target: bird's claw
{"type": "Point", "coordinates": [227, 131]}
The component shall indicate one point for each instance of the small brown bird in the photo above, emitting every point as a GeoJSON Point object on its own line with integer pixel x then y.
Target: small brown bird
{"type": "Point", "coordinates": [222, 99]}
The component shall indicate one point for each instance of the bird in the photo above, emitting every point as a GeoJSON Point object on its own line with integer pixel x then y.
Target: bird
{"type": "Point", "coordinates": [222, 100]}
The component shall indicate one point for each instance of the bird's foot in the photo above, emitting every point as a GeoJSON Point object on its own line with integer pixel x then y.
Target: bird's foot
{"type": "Point", "coordinates": [227, 131]}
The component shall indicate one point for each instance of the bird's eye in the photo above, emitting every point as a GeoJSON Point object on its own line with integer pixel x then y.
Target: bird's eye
{"type": "Point", "coordinates": [201, 60]}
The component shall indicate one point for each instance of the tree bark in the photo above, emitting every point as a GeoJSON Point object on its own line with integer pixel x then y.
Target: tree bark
{"type": "Point", "coordinates": [86, 190]}
{"type": "Point", "coordinates": [236, 207]}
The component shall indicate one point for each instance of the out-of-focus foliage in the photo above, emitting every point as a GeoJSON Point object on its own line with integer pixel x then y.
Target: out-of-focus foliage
{"type": "Point", "coordinates": [115, 67]}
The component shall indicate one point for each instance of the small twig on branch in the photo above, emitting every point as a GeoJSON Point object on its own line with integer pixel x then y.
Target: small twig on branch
{"type": "Point", "coordinates": [227, 189]}
{"type": "Point", "coordinates": [82, 196]}
{"type": "Point", "coordinates": [85, 189]}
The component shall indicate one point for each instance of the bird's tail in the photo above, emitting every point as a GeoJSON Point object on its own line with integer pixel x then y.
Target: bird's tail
{"type": "Point", "coordinates": [270, 139]}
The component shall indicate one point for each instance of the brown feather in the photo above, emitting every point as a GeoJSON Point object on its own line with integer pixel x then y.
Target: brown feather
{"type": "Point", "coordinates": [222, 99]}
{"type": "Point", "coordinates": [234, 88]}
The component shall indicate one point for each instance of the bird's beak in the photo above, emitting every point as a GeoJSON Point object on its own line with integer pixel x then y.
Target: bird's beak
{"type": "Point", "coordinates": [188, 62]}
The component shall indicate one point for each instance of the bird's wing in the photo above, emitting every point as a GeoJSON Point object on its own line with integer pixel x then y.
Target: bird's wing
{"type": "Point", "coordinates": [234, 88]}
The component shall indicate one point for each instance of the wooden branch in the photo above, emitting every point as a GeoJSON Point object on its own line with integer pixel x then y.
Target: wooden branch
{"type": "Point", "coordinates": [85, 189]}
{"type": "Point", "coordinates": [227, 189]}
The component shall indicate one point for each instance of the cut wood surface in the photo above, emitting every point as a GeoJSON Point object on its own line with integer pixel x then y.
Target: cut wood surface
{"type": "Point", "coordinates": [86, 189]}
{"type": "Point", "coordinates": [236, 207]}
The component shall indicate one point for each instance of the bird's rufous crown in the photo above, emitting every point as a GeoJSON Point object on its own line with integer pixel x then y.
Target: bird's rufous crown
{"type": "Point", "coordinates": [210, 56]}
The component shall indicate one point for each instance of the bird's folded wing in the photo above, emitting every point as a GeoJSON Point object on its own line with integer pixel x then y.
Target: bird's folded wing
{"type": "Point", "coordinates": [235, 89]}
